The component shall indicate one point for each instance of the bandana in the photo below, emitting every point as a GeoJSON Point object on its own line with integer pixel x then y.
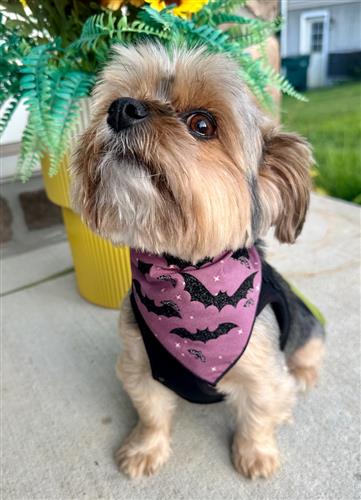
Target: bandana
{"type": "Point", "coordinates": [202, 314]}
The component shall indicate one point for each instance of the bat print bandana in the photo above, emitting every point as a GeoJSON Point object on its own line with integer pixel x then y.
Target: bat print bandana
{"type": "Point", "coordinates": [202, 314]}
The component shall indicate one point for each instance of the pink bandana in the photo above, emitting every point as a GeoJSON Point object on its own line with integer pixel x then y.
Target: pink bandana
{"type": "Point", "coordinates": [202, 314]}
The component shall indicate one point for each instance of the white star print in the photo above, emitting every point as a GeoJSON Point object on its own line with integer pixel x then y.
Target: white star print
{"type": "Point", "coordinates": [220, 357]}
{"type": "Point", "coordinates": [257, 288]}
{"type": "Point", "coordinates": [178, 297]}
{"type": "Point", "coordinates": [177, 345]}
{"type": "Point", "coordinates": [222, 261]}
{"type": "Point", "coordinates": [163, 290]}
{"type": "Point", "coordinates": [159, 318]}
{"type": "Point", "coordinates": [182, 354]}
{"type": "Point", "coordinates": [240, 331]}
{"type": "Point", "coordinates": [191, 317]}
{"type": "Point", "coordinates": [216, 278]}
{"type": "Point", "coordinates": [214, 369]}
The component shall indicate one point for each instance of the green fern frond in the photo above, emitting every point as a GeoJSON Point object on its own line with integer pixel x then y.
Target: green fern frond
{"type": "Point", "coordinates": [228, 18]}
{"type": "Point", "coordinates": [65, 113]}
{"type": "Point", "coordinates": [36, 89]}
{"type": "Point", "coordinates": [29, 156]}
{"type": "Point", "coordinates": [284, 85]}
{"type": "Point", "coordinates": [9, 111]}
{"type": "Point", "coordinates": [163, 18]}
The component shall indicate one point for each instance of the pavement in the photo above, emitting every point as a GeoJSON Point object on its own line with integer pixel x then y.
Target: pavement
{"type": "Point", "coordinates": [64, 413]}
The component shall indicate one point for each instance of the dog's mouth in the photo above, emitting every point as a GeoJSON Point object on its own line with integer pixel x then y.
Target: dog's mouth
{"type": "Point", "coordinates": [141, 167]}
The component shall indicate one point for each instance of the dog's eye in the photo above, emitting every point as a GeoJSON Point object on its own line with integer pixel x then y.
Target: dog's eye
{"type": "Point", "coordinates": [201, 125]}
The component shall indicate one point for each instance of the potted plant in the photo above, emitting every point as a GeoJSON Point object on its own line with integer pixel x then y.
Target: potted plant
{"type": "Point", "coordinates": [51, 53]}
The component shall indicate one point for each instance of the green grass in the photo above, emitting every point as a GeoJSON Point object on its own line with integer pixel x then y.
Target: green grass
{"type": "Point", "coordinates": [331, 121]}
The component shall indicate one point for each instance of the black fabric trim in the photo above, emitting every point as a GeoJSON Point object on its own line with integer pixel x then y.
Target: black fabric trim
{"type": "Point", "coordinates": [170, 372]}
{"type": "Point", "coordinates": [272, 294]}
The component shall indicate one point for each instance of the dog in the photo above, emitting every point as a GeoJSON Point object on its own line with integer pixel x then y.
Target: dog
{"type": "Point", "coordinates": [181, 164]}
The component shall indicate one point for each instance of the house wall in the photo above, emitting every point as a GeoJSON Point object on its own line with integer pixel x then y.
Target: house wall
{"type": "Point", "coordinates": [345, 24]}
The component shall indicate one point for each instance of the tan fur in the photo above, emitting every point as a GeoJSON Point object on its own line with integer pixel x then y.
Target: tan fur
{"type": "Point", "coordinates": [285, 182]}
{"type": "Point", "coordinates": [262, 393]}
{"type": "Point", "coordinates": [148, 446]}
{"type": "Point", "coordinates": [306, 362]}
{"type": "Point", "coordinates": [259, 388]}
{"type": "Point", "coordinates": [209, 192]}
{"type": "Point", "coordinates": [157, 188]}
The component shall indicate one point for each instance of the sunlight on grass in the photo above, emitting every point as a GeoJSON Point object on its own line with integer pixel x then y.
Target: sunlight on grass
{"type": "Point", "coordinates": [331, 121]}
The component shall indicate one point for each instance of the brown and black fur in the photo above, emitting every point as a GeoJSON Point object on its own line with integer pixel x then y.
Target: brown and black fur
{"type": "Point", "coordinates": [156, 187]}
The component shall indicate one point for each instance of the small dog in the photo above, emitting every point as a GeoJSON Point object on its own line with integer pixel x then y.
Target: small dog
{"type": "Point", "coordinates": [180, 164]}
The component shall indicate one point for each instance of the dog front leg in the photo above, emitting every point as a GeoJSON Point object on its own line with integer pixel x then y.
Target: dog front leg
{"type": "Point", "coordinates": [261, 392]}
{"type": "Point", "coordinates": [148, 446]}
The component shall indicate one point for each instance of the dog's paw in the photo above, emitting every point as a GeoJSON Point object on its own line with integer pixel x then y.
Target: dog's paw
{"type": "Point", "coordinates": [306, 377]}
{"type": "Point", "coordinates": [254, 461]}
{"type": "Point", "coordinates": [143, 454]}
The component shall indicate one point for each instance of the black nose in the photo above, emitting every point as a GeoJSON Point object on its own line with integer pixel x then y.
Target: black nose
{"type": "Point", "coordinates": [125, 112]}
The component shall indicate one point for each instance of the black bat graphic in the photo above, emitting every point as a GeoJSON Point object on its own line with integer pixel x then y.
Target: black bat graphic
{"type": "Point", "coordinates": [242, 255]}
{"type": "Point", "coordinates": [182, 264]}
{"type": "Point", "coordinates": [167, 277]}
{"type": "Point", "coordinates": [168, 307]}
{"type": "Point", "coordinates": [197, 354]}
{"type": "Point", "coordinates": [204, 335]}
{"type": "Point", "coordinates": [200, 293]}
{"type": "Point", "coordinates": [144, 267]}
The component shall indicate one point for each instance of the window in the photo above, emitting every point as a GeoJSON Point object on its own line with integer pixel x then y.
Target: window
{"type": "Point", "coordinates": [316, 36]}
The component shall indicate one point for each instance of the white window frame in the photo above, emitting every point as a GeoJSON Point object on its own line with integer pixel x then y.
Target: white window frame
{"type": "Point", "coordinates": [304, 30]}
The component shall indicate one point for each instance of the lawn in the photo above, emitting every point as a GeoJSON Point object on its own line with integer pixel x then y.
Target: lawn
{"type": "Point", "coordinates": [331, 121]}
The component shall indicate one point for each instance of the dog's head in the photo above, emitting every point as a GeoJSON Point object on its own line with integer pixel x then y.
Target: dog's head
{"type": "Point", "coordinates": [178, 158]}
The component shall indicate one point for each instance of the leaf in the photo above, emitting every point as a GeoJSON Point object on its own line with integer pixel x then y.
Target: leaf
{"type": "Point", "coordinates": [8, 113]}
{"type": "Point", "coordinates": [65, 113]}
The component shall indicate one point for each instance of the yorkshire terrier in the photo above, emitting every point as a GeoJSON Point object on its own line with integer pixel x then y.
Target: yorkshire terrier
{"type": "Point", "coordinates": [180, 164]}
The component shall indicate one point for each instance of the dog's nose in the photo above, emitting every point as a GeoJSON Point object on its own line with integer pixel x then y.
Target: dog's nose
{"type": "Point", "coordinates": [124, 112]}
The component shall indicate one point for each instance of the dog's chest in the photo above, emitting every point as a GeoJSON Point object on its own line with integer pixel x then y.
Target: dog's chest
{"type": "Point", "coordinates": [203, 314]}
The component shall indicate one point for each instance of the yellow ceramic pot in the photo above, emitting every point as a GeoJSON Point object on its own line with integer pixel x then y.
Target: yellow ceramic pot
{"type": "Point", "coordinates": [102, 270]}
{"type": "Point", "coordinates": [57, 187]}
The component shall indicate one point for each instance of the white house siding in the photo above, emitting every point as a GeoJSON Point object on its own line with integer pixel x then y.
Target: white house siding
{"type": "Point", "coordinates": [345, 27]}
{"type": "Point", "coordinates": [345, 24]}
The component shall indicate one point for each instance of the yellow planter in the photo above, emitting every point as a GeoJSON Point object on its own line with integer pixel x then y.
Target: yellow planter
{"type": "Point", "coordinates": [57, 187]}
{"type": "Point", "coordinates": [102, 270]}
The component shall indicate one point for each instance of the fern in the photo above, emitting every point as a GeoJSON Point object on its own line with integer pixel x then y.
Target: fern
{"type": "Point", "coordinates": [30, 154]}
{"type": "Point", "coordinates": [9, 111]}
{"type": "Point", "coordinates": [36, 89]}
{"type": "Point", "coordinates": [51, 60]}
{"type": "Point", "coordinates": [65, 113]}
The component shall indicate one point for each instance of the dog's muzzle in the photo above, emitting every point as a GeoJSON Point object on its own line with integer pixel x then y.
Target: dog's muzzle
{"type": "Point", "coordinates": [126, 112]}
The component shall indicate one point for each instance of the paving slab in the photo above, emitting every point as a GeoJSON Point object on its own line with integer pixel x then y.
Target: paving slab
{"type": "Point", "coordinates": [65, 413]}
{"type": "Point", "coordinates": [30, 267]}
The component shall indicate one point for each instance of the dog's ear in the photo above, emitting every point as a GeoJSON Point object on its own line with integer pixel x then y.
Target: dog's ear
{"type": "Point", "coordinates": [284, 182]}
